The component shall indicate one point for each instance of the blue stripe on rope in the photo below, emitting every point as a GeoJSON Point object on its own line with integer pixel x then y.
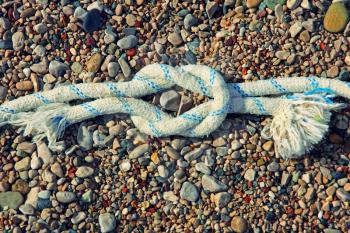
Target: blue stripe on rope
{"type": "Point", "coordinates": [192, 117]}
{"type": "Point", "coordinates": [77, 91]}
{"type": "Point", "coordinates": [115, 91]}
{"type": "Point", "coordinates": [42, 98]}
{"type": "Point", "coordinates": [212, 76]}
{"type": "Point", "coordinates": [278, 86]}
{"type": "Point", "coordinates": [202, 86]}
{"type": "Point", "coordinates": [219, 112]}
{"type": "Point", "coordinates": [166, 72]}
{"type": "Point", "coordinates": [7, 109]}
{"type": "Point", "coordinates": [154, 130]}
{"type": "Point", "coordinates": [260, 105]}
{"type": "Point", "coordinates": [330, 92]}
{"type": "Point", "coordinates": [90, 109]}
{"type": "Point", "coordinates": [151, 84]}
{"type": "Point", "coordinates": [313, 82]}
{"type": "Point", "coordinates": [238, 89]}
{"type": "Point", "coordinates": [126, 106]}
{"type": "Point", "coordinates": [158, 115]}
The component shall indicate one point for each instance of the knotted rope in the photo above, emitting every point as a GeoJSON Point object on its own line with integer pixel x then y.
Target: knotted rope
{"type": "Point", "coordinates": [300, 120]}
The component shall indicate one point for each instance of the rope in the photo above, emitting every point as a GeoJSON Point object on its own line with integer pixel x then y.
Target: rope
{"type": "Point", "coordinates": [300, 120]}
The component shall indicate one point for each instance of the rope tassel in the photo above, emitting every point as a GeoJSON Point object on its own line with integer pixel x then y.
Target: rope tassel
{"type": "Point", "coordinates": [300, 120]}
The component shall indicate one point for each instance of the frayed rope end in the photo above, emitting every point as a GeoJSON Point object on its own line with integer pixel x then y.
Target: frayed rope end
{"type": "Point", "coordinates": [46, 122]}
{"type": "Point", "coordinates": [300, 125]}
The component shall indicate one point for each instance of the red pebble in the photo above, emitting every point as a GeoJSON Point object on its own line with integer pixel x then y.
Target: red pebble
{"type": "Point", "coordinates": [131, 52]}
{"type": "Point", "coordinates": [247, 199]}
{"type": "Point", "coordinates": [124, 189]}
{"type": "Point", "coordinates": [322, 46]}
{"type": "Point", "coordinates": [71, 172]}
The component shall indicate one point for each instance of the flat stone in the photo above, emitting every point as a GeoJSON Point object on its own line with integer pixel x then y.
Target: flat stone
{"type": "Point", "coordinates": [24, 85]}
{"type": "Point", "coordinates": [293, 4]}
{"type": "Point", "coordinates": [342, 194]}
{"type": "Point", "coordinates": [125, 67]}
{"type": "Point", "coordinates": [84, 138]}
{"type": "Point", "coordinates": [58, 69]}
{"type": "Point", "coordinates": [236, 145]}
{"type": "Point", "coordinates": [18, 40]}
{"type": "Point", "coordinates": [65, 197]}
{"type": "Point", "coordinates": [239, 224]}
{"type": "Point", "coordinates": [253, 3]}
{"type": "Point", "coordinates": [189, 192]}
{"type": "Point", "coordinates": [210, 184]}
{"type": "Point", "coordinates": [295, 28]}
{"type": "Point", "coordinates": [3, 92]}
{"type": "Point", "coordinates": [190, 21]}
{"type": "Point", "coordinates": [94, 63]}
{"type": "Point", "coordinates": [11, 200]}
{"type": "Point", "coordinates": [336, 17]}
{"type": "Point", "coordinates": [28, 12]}
{"type": "Point", "coordinates": [163, 171]}
{"type": "Point", "coordinates": [78, 217]}
{"type": "Point", "coordinates": [282, 54]}
{"type": "Point", "coordinates": [130, 20]}
{"type": "Point", "coordinates": [107, 222]}
{"type": "Point", "coordinates": [127, 42]}
{"type": "Point", "coordinates": [44, 153]}
{"type": "Point", "coordinates": [309, 25]}
{"type": "Point", "coordinates": [170, 100]}
{"type": "Point", "coordinates": [40, 28]}
{"type": "Point", "coordinates": [32, 197]}
{"type": "Point", "coordinates": [27, 147]}
{"type": "Point", "coordinates": [6, 44]}
{"type": "Point", "coordinates": [193, 155]}
{"type": "Point", "coordinates": [76, 68]}
{"type": "Point", "coordinates": [304, 36]}
{"type": "Point", "coordinates": [84, 171]}
{"type": "Point", "coordinates": [20, 186]}
{"type": "Point", "coordinates": [139, 151]}
{"type": "Point", "coordinates": [113, 69]}
{"type": "Point", "coordinates": [40, 68]}
{"type": "Point", "coordinates": [310, 194]}
{"type": "Point", "coordinates": [222, 199]}
{"type": "Point", "coordinates": [333, 72]}
{"type": "Point", "coordinates": [170, 196]}
{"type": "Point", "coordinates": [175, 39]}
{"type": "Point", "coordinates": [125, 165]}
{"type": "Point", "coordinates": [249, 175]}
{"type": "Point", "coordinates": [23, 164]}
{"type": "Point", "coordinates": [172, 153]}
{"type": "Point", "coordinates": [203, 168]}
{"type": "Point", "coordinates": [57, 170]}
{"type": "Point", "coordinates": [92, 21]}
{"type": "Point", "coordinates": [27, 209]}
{"type": "Point", "coordinates": [211, 7]}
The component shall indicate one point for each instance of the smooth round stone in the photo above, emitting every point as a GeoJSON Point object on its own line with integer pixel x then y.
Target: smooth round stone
{"type": "Point", "coordinates": [94, 62]}
{"type": "Point", "coordinates": [222, 199]}
{"type": "Point", "coordinates": [293, 4]}
{"type": "Point", "coordinates": [77, 67]}
{"type": "Point", "coordinates": [336, 17]}
{"type": "Point", "coordinates": [84, 171]}
{"type": "Point", "coordinates": [113, 69]}
{"type": "Point", "coordinates": [18, 41]}
{"type": "Point", "coordinates": [65, 197]}
{"type": "Point", "coordinates": [202, 167]}
{"type": "Point", "coordinates": [190, 21]}
{"type": "Point", "coordinates": [127, 42]}
{"type": "Point", "coordinates": [92, 21]}
{"type": "Point", "coordinates": [250, 174]}
{"type": "Point", "coordinates": [40, 28]}
{"type": "Point", "coordinates": [45, 194]}
{"type": "Point", "coordinates": [253, 3]}
{"type": "Point", "coordinates": [58, 69]}
{"type": "Point", "coordinates": [163, 171]}
{"type": "Point", "coordinates": [125, 166]}
{"type": "Point", "coordinates": [175, 39]}
{"type": "Point", "coordinates": [189, 192]}
{"type": "Point", "coordinates": [27, 209]}
{"type": "Point", "coordinates": [170, 100]}
{"type": "Point", "coordinates": [24, 85]}
{"type": "Point", "coordinates": [78, 217]}
{"type": "Point", "coordinates": [11, 200]}
{"type": "Point", "coordinates": [107, 222]}
{"type": "Point", "coordinates": [40, 50]}
{"type": "Point", "coordinates": [210, 184]}
{"type": "Point", "coordinates": [239, 224]}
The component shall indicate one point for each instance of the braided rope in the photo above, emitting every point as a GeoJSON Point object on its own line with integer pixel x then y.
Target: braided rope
{"type": "Point", "coordinates": [293, 137]}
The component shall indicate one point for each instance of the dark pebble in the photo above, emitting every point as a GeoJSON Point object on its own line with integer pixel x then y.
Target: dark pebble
{"type": "Point", "coordinates": [6, 44]}
{"type": "Point", "coordinates": [92, 21]}
{"type": "Point", "coordinates": [270, 216]}
{"type": "Point", "coordinates": [338, 175]}
{"type": "Point", "coordinates": [190, 57]}
{"type": "Point", "coordinates": [43, 203]}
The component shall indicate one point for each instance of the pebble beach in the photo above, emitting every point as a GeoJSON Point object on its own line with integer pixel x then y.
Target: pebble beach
{"type": "Point", "coordinates": [110, 177]}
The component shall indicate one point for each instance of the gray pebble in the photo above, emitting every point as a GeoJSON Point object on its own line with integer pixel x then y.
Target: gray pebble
{"type": "Point", "coordinates": [170, 100]}
{"type": "Point", "coordinates": [18, 41]}
{"type": "Point", "coordinates": [58, 69]}
{"type": "Point", "coordinates": [65, 197]}
{"type": "Point", "coordinates": [84, 138]}
{"type": "Point", "coordinates": [189, 192]}
{"type": "Point", "coordinates": [201, 167]}
{"type": "Point", "coordinates": [127, 42]}
{"type": "Point", "coordinates": [139, 151]}
{"type": "Point", "coordinates": [107, 222]}
{"type": "Point", "coordinates": [84, 171]}
{"type": "Point", "coordinates": [113, 69]}
{"type": "Point", "coordinates": [210, 184]}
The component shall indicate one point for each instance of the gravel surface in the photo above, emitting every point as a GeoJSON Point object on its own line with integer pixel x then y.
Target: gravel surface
{"type": "Point", "coordinates": [112, 178]}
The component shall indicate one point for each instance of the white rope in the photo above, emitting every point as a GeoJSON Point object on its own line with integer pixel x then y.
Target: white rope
{"type": "Point", "coordinates": [300, 120]}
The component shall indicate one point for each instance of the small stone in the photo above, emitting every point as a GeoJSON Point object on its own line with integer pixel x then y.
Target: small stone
{"type": "Point", "coordinates": [282, 54]}
{"type": "Point", "coordinates": [77, 67]}
{"type": "Point", "coordinates": [107, 222]}
{"type": "Point", "coordinates": [44, 153]}
{"type": "Point", "coordinates": [336, 17]}
{"type": "Point", "coordinates": [139, 151]}
{"type": "Point", "coordinates": [211, 8]}
{"type": "Point", "coordinates": [24, 85]}
{"type": "Point", "coordinates": [23, 164]}
{"type": "Point", "coordinates": [189, 192]}
{"type": "Point", "coordinates": [163, 171]}
{"type": "Point", "coordinates": [125, 165]}
{"type": "Point", "coordinates": [170, 100]}
{"type": "Point", "coordinates": [127, 42]}
{"type": "Point", "coordinates": [333, 72]}
{"type": "Point", "coordinates": [18, 41]}
{"type": "Point", "coordinates": [306, 4]}
{"type": "Point", "coordinates": [190, 21]}
{"type": "Point", "coordinates": [27, 209]}
{"type": "Point", "coordinates": [40, 28]}
{"type": "Point", "coordinates": [193, 155]}
{"type": "Point", "coordinates": [65, 197]}
{"type": "Point", "coordinates": [293, 4]}
{"type": "Point", "coordinates": [330, 230]}
{"type": "Point", "coordinates": [40, 68]}
{"type": "Point", "coordinates": [130, 20]}
{"type": "Point", "coordinates": [113, 69]}
{"type": "Point", "coordinates": [57, 170]}
{"type": "Point", "coordinates": [84, 171]}
{"type": "Point", "coordinates": [125, 67]}
{"type": "Point", "coordinates": [309, 25]}
{"type": "Point", "coordinates": [32, 196]}
{"type": "Point", "coordinates": [94, 63]}
{"type": "Point", "coordinates": [95, 5]}
{"type": "Point", "coordinates": [347, 187]}
{"type": "Point", "coordinates": [170, 196]}
{"type": "Point", "coordinates": [343, 195]}
{"type": "Point", "coordinates": [175, 39]}
{"type": "Point", "coordinates": [347, 30]}
{"type": "Point", "coordinates": [172, 153]}
{"type": "Point", "coordinates": [202, 167]}
{"type": "Point", "coordinates": [11, 200]}
{"type": "Point", "coordinates": [26, 13]}
{"type": "Point", "coordinates": [210, 184]}
{"type": "Point", "coordinates": [92, 21]}
{"type": "Point", "coordinates": [222, 199]}
{"type": "Point", "coordinates": [267, 146]}
{"type": "Point", "coordinates": [249, 175]}
{"type": "Point", "coordinates": [20, 186]}
{"type": "Point", "coordinates": [239, 224]}
{"type": "Point", "coordinates": [253, 3]}
{"type": "Point", "coordinates": [3, 92]}
{"type": "Point", "coordinates": [58, 69]}
{"type": "Point", "coordinates": [6, 44]}
{"type": "Point", "coordinates": [310, 194]}
{"type": "Point", "coordinates": [27, 147]}
{"type": "Point", "coordinates": [273, 167]}
{"type": "Point", "coordinates": [78, 217]}
{"type": "Point", "coordinates": [236, 145]}
{"type": "Point", "coordinates": [304, 36]}
{"type": "Point", "coordinates": [279, 12]}
{"type": "Point", "coordinates": [295, 28]}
